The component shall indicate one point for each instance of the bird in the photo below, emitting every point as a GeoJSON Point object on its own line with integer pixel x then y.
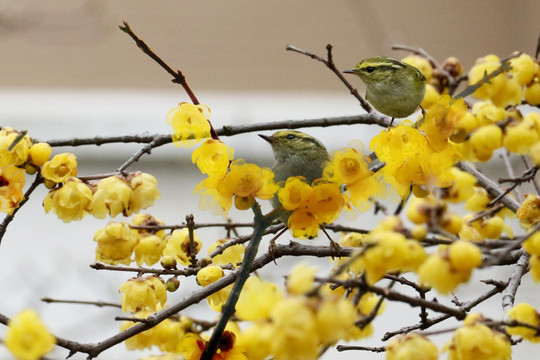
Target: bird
{"type": "Point", "coordinates": [296, 154]}
{"type": "Point", "coordinates": [393, 87]}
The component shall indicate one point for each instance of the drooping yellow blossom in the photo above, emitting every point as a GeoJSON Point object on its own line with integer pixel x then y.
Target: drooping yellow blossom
{"type": "Point", "coordinates": [447, 268]}
{"type": "Point", "coordinates": [257, 299]}
{"type": "Point", "coordinates": [303, 224]}
{"type": "Point", "coordinates": [39, 153]}
{"type": "Point", "coordinates": [301, 278]}
{"type": "Point", "coordinates": [189, 124]}
{"type": "Point", "coordinates": [69, 202]}
{"type": "Point", "coordinates": [487, 113]}
{"type": "Point", "coordinates": [294, 334]}
{"type": "Point", "coordinates": [520, 136]}
{"type": "Point", "coordinates": [209, 274]}
{"type": "Point", "coordinates": [142, 293]}
{"type": "Point", "coordinates": [440, 123]}
{"type": "Point", "coordinates": [115, 243]}
{"type": "Point", "coordinates": [12, 181]}
{"type": "Point", "coordinates": [529, 212]}
{"type": "Point", "coordinates": [387, 251]}
{"type": "Point", "coordinates": [27, 337]}
{"type": "Point", "coordinates": [524, 313]}
{"type": "Point", "coordinates": [485, 140]}
{"type": "Point", "coordinates": [18, 155]}
{"type": "Point", "coordinates": [532, 244]}
{"type": "Point", "coordinates": [411, 347]}
{"type": "Point", "coordinates": [213, 157]}
{"type": "Point", "coordinates": [231, 255]}
{"type": "Point", "coordinates": [524, 67]}
{"type": "Point", "coordinates": [179, 247]}
{"type": "Point", "coordinates": [166, 335]}
{"type": "Point", "coordinates": [335, 317]}
{"type": "Point", "coordinates": [476, 341]}
{"type": "Point", "coordinates": [430, 97]}
{"type": "Point", "coordinates": [349, 166]}
{"type": "Point", "coordinates": [257, 340]}
{"type": "Point", "coordinates": [295, 193]}
{"type": "Point", "coordinates": [112, 197]}
{"type": "Point", "coordinates": [145, 191]}
{"type": "Point", "coordinates": [60, 167]}
{"type": "Point", "coordinates": [532, 91]}
{"type": "Point", "coordinates": [149, 249]}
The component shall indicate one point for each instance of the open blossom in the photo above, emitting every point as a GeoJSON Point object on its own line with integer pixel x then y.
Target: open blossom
{"type": "Point", "coordinates": [69, 202]}
{"type": "Point", "coordinates": [12, 181]}
{"type": "Point", "coordinates": [60, 167]}
{"type": "Point", "coordinates": [190, 123]}
{"type": "Point", "coordinates": [213, 157]}
{"type": "Point", "coordinates": [27, 337]}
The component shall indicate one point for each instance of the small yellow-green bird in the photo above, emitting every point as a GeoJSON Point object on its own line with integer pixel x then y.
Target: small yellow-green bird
{"type": "Point", "coordinates": [297, 154]}
{"type": "Point", "coordinates": [394, 88]}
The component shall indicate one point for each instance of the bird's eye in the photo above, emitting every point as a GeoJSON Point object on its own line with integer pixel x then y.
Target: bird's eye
{"type": "Point", "coordinates": [291, 136]}
{"type": "Point", "coordinates": [370, 69]}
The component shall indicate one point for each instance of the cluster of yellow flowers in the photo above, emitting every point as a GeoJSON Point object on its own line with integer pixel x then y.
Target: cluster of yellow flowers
{"type": "Point", "coordinates": [113, 195]}
{"type": "Point", "coordinates": [18, 156]}
{"type": "Point", "coordinates": [294, 324]}
{"type": "Point", "coordinates": [475, 340]}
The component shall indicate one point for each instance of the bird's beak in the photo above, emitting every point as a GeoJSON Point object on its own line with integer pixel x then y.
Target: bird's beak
{"type": "Point", "coordinates": [350, 71]}
{"type": "Point", "coordinates": [268, 138]}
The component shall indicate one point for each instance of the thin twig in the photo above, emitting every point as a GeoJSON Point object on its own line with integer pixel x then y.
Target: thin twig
{"type": "Point", "coordinates": [192, 247]}
{"type": "Point", "coordinates": [330, 64]}
{"type": "Point", "coordinates": [373, 118]}
{"type": "Point", "coordinates": [506, 159]}
{"type": "Point", "coordinates": [97, 303]}
{"type": "Point", "coordinates": [509, 294]}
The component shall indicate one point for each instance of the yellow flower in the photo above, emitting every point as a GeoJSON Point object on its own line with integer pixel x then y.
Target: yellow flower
{"type": "Point", "coordinates": [39, 153]}
{"type": "Point", "coordinates": [447, 268]}
{"type": "Point", "coordinates": [19, 153]}
{"type": "Point", "coordinates": [476, 341]}
{"type": "Point", "coordinates": [519, 137]}
{"type": "Point", "coordinates": [387, 251]}
{"type": "Point", "coordinates": [462, 187]}
{"type": "Point", "coordinates": [335, 318]}
{"type": "Point", "coordinates": [115, 243]}
{"type": "Point", "coordinates": [148, 220]}
{"type": "Point", "coordinates": [144, 191]}
{"type": "Point", "coordinates": [209, 274]}
{"type": "Point", "coordinates": [524, 313]}
{"type": "Point", "coordinates": [257, 340]}
{"type": "Point", "coordinates": [295, 193]}
{"type": "Point", "coordinates": [430, 97]}
{"type": "Point", "coordinates": [190, 123]}
{"type": "Point", "coordinates": [411, 347]}
{"type": "Point", "coordinates": [301, 278]}
{"type": "Point", "coordinates": [303, 224]}
{"type": "Point", "coordinates": [60, 167]}
{"type": "Point", "coordinates": [421, 63]}
{"type": "Point", "coordinates": [143, 293]}
{"type": "Point", "coordinates": [27, 337]}
{"type": "Point", "coordinates": [441, 119]}
{"type": "Point", "coordinates": [69, 202]}
{"type": "Point", "coordinates": [485, 140]}
{"type": "Point", "coordinates": [12, 181]}
{"type": "Point", "coordinates": [112, 197]}
{"type": "Point", "coordinates": [294, 332]}
{"type": "Point", "coordinates": [257, 299]}
{"type": "Point", "coordinates": [149, 249]}
{"type": "Point", "coordinates": [179, 247]}
{"type": "Point", "coordinates": [484, 66]}
{"type": "Point", "coordinates": [213, 157]}
{"type": "Point", "coordinates": [524, 68]}
{"type": "Point", "coordinates": [529, 212]}
{"type": "Point", "coordinates": [166, 335]}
